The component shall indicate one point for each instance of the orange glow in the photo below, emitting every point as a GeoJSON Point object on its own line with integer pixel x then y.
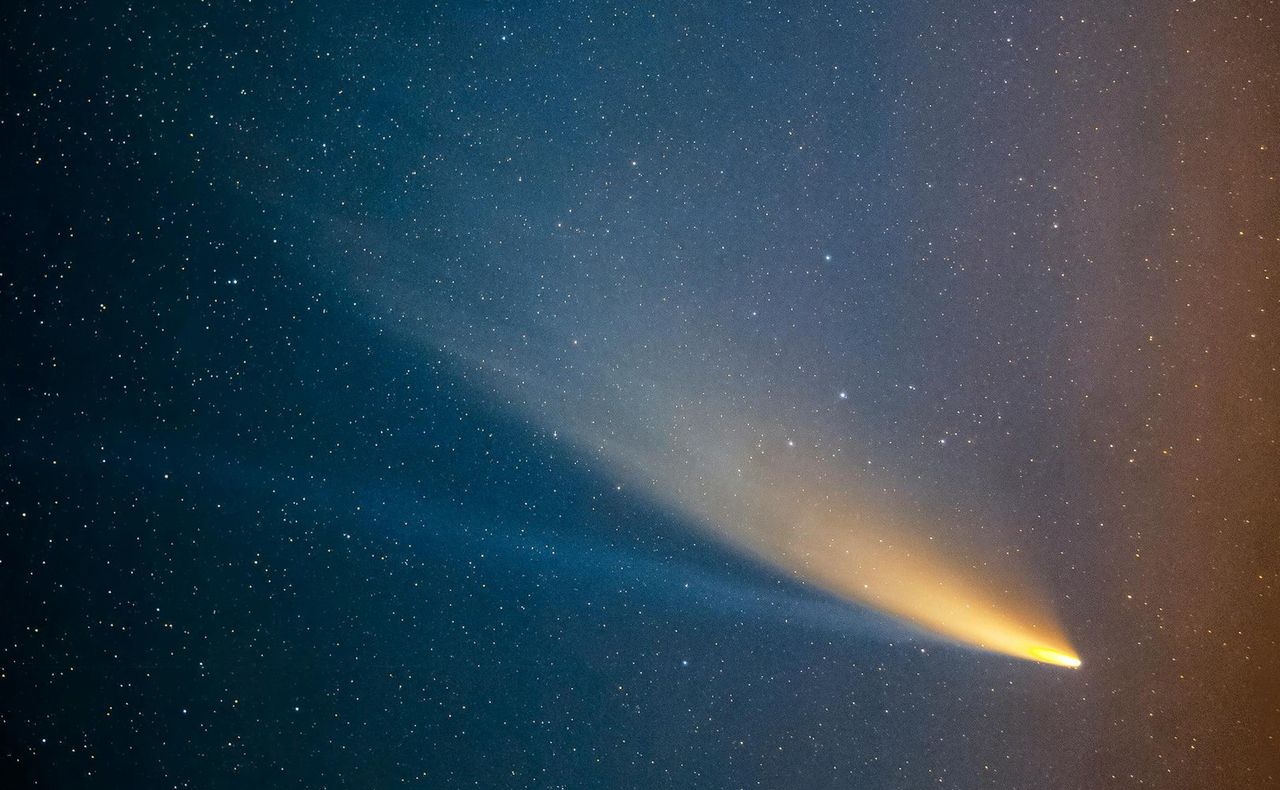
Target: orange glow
{"type": "Point", "coordinates": [789, 512]}
{"type": "Point", "coordinates": [1054, 657]}
{"type": "Point", "coordinates": [749, 483]}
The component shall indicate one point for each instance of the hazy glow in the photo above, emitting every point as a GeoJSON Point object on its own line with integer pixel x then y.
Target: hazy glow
{"type": "Point", "coordinates": [741, 446]}
{"type": "Point", "coordinates": [793, 513]}
{"type": "Point", "coordinates": [803, 512]}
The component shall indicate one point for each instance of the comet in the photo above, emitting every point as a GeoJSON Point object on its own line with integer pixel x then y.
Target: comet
{"type": "Point", "coordinates": [1051, 656]}
{"type": "Point", "coordinates": [810, 515]}
{"type": "Point", "coordinates": [696, 420]}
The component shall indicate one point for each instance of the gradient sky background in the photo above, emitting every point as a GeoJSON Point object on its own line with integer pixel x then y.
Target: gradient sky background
{"type": "Point", "coordinates": [322, 325]}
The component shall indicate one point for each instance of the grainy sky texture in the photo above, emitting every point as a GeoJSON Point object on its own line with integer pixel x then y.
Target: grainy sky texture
{"type": "Point", "coordinates": [616, 395]}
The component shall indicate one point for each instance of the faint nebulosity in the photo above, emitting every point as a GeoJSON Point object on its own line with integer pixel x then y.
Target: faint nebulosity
{"type": "Point", "coordinates": [621, 395]}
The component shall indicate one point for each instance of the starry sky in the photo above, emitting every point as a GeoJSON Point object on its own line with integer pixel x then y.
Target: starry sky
{"type": "Point", "coordinates": [639, 395]}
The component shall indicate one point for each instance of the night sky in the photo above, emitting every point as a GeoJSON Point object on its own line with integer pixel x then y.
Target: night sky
{"type": "Point", "coordinates": [609, 395]}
